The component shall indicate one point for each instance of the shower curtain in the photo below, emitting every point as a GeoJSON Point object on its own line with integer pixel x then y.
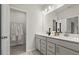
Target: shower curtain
{"type": "Point", "coordinates": [17, 34]}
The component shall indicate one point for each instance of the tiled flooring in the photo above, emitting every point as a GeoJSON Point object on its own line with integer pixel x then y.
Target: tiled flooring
{"type": "Point", "coordinates": [31, 53]}
{"type": "Point", "coordinates": [20, 50]}
{"type": "Point", "coordinates": [15, 50]}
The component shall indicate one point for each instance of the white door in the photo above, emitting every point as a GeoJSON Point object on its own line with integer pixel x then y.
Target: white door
{"type": "Point", "coordinates": [5, 30]}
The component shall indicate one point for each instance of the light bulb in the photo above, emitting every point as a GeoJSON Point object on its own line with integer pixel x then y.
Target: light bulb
{"type": "Point", "coordinates": [49, 7]}
{"type": "Point", "coordinates": [45, 10]}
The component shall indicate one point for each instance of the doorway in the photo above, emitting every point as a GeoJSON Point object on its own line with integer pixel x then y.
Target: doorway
{"type": "Point", "coordinates": [17, 31]}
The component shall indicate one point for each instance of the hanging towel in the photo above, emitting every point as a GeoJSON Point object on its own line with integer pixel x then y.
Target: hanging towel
{"type": "Point", "coordinates": [20, 32]}
{"type": "Point", "coordinates": [16, 30]}
{"type": "Point", "coordinates": [21, 29]}
{"type": "Point", "coordinates": [13, 37]}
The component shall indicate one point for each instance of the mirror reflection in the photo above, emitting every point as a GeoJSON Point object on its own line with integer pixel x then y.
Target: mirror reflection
{"type": "Point", "coordinates": [70, 25]}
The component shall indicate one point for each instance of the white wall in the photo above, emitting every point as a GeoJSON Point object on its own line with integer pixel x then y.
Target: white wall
{"type": "Point", "coordinates": [48, 21]}
{"type": "Point", "coordinates": [34, 23]}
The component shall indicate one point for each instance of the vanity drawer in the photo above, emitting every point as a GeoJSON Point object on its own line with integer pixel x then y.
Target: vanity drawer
{"type": "Point", "coordinates": [68, 44]}
{"type": "Point", "coordinates": [51, 46]}
{"type": "Point", "coordinates": [43, 50]}
{"type": "Point", "coordinates": [49, 52]}
{"type": "Point", "coordinates": [43, 42]}
{"type": "Point", "coordinates": [60, 50]}
{"type": "Point", "coordinates": [50, 40]}
{"type": "Point", "coordinates": [43, 47]}
{"type": "Point", "coordinates": [41, 37]}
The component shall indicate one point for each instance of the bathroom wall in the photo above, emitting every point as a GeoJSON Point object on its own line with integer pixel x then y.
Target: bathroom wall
{"type": "Point", "coordinates": [33, 23]}
{"type": "Point", "coordinates": [48, 21]}
{"type": "Point", "coordinates": [61, 15]}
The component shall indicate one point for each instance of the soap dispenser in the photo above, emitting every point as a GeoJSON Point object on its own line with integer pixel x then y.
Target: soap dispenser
{"type": "Point", "coordinates": [49, 31]}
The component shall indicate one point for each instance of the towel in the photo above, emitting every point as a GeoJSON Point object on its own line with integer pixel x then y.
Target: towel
{"type": "Point", "coordinates": [13, 37]}
{"type": "Point", "coordinates": [20, 30]}
{"type": "Point", "coordinates": [17, 32]}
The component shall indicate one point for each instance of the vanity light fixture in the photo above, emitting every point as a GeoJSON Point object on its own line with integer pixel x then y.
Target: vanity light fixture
{"type": "Point", "coordinates": [51, 8]}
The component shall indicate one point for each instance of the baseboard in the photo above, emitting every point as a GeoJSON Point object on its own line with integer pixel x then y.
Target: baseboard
{"type": "Point", "coordinates": [30, 50]}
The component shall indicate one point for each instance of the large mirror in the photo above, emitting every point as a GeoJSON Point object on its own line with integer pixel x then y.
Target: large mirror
{"type": "Point", "coordinates": [70, 25]}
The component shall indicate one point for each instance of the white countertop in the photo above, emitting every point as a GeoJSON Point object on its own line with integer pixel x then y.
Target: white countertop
{"type": "Point", "coordinates": [72, 39]}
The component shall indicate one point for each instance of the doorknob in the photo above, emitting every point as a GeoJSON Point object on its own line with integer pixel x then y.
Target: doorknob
{"type": "Point", "coordinates": [3, 37]}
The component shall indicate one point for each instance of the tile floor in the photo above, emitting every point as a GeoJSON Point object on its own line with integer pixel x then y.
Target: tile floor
{"type": "Point", "coordinates": [19, 50]}
{"type": "Point", "coordinates": [15, 50]}
{"type": "Point", "coordinates": [31, 53]}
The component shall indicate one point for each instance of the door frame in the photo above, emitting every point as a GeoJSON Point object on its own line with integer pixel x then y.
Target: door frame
{"type": "Point", "coordinates": [24, 11]}
{"type": "Point", "coordinates": [0, 29]}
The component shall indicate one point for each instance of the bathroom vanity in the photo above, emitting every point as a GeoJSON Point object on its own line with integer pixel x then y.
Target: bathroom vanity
{"type": "Point", "coordinates": [57, 45]}
{"type": "Point", "coordinates": [60, 44]}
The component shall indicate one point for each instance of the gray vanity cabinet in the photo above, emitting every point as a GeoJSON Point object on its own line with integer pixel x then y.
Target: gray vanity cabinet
{"type": "Point", "coordinates": [64, 47]}
{"type": "Point", "coordinates": [38, 43]}
{"type": "Point", "coordinates": [56, 46]}
{"type": "Point", "coordinates": [41, 44]}
{"type": "Point", "coordinates": [61, 50]}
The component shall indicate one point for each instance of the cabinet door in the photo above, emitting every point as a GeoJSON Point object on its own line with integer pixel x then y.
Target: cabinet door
{"type": "Point", "coordinates": [38, 44]}
{"type": "Point", "coordinates": [50, 48]}
{"type": "Point", "coordinates": [60, 50]}
{"type": "Point", "coordinates": [43, 50]}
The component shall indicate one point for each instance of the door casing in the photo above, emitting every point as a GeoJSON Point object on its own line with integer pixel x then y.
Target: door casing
{"type": "Point", "coordinates": [17, 9]}
{"type": "Point", "coordinates": [0, 29]}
